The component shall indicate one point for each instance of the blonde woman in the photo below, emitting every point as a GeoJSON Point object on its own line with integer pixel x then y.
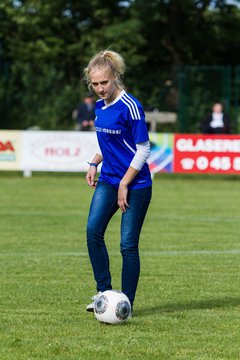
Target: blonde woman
{"type": "Point", "coordinates": [124, 181]}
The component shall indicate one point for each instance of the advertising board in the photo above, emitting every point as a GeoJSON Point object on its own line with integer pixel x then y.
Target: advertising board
{"type": "Point", "coordinates": [161, 156]}
{"type": "Point", "coordinates": [57, 150]}
{"type": "Point", "coordinates": [69, 151]}
{"type": "Point", "coordinates": [207, 154]}
{"type": "Point", "coordinates": [10, 150]}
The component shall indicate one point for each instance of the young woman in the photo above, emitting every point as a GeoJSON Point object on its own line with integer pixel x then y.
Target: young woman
{"type": "Point", "coordinates": [125, 180]}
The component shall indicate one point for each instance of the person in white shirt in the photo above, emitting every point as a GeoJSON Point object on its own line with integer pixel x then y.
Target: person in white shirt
{"type": "Point", "coordinates": [217, 122]}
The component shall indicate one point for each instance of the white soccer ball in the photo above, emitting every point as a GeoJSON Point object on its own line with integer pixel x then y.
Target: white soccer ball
{"type": "Point", "coordinates": [112, 307]}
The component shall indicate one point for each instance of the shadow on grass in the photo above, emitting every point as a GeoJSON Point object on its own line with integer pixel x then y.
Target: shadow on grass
{"type": "Point", "coordinates": [226, 302]}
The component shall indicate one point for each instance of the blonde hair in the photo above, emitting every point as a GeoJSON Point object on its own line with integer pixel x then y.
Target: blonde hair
{"type": "Point", "coordinates": [111, 62]}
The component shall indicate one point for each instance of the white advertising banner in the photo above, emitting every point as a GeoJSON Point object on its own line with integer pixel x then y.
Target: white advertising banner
{"type": "Point", "coordinates": [57, 150]}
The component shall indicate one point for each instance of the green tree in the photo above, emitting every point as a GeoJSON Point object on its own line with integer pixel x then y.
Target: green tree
{"type": "Point", "coordinates": [47, 45]}
{"type": "Point", "coordinates": [44, 46]}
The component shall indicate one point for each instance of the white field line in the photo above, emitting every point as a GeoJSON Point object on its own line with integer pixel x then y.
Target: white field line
{"type": "Point", "coordinates": [198, 219]}
{"type": "Point", "coordinates": [188, 218]}
{"type": "Point", "coordinates": [142, 253]}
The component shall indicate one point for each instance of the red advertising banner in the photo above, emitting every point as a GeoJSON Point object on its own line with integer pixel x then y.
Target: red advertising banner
{"type": "Point", "coordinates": [207, 154]}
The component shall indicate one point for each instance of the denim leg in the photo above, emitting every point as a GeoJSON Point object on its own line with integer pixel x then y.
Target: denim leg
{"type": "Point", "coordinates": [103, 207]}
{"type": "Point", "coordinates": [131, 225]}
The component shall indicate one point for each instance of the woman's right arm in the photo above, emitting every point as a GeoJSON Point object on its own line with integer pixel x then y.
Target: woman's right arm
{"type": "Point", "coordinates": [92, 171]}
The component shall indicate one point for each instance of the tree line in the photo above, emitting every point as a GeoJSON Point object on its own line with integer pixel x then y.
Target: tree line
{"type": "Point", "coordinates": [45, 45]}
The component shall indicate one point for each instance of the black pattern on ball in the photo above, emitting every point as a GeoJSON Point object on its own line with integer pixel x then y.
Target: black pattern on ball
{"type": "Point", "coordinates": [122, 310]}
{"type": "Point", "coordinates": [101, 304]}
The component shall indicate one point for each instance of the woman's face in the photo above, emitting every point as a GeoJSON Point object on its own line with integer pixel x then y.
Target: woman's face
{"type": "Point", "coordinates": [104, 85]}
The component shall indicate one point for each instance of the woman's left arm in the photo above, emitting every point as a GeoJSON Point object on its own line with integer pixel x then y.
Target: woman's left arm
{"type": "Point", "coordinates": [123, 188]}
{"type": "Point", "coordinates": [139, 159]}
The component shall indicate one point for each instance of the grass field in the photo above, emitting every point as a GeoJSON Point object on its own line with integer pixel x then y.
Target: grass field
{"type": "Point", "coordinates": [188, 299]}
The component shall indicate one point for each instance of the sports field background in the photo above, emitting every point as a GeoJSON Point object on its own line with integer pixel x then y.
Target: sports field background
{"type": "Point", "coordinates": [188, 300]}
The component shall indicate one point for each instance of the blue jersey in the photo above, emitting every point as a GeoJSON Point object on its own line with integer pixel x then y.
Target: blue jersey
{"type": "Point", "coordinates": [121, 125]}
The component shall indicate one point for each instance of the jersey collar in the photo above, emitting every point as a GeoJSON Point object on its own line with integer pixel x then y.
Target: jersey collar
{"type": "Point", "coordinates": [114, 101]}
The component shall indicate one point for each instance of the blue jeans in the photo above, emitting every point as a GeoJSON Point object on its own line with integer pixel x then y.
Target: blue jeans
{"type": "Point", "coordinates": [103, 207]}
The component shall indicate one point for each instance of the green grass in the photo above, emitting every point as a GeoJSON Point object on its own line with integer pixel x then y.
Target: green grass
{"type": "Point", "coordinates": [188, 299]}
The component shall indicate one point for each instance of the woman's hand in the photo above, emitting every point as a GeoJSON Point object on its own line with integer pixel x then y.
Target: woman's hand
{"type": "Point", "coordinates": [90, 177]}
{"type": "Point", "coordinates": [122, 197]}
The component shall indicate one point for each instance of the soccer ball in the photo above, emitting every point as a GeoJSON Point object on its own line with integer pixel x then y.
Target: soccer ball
{"type": "Point", "coordinates": [112, 307]}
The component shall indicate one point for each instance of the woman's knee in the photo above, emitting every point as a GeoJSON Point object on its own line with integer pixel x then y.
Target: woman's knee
{"type": "Point", "coordinates": [128, 248]}
{"type": "Point", "coordinates": [93, 234]}
{"type": "Point", "coordinates": [129, 241]}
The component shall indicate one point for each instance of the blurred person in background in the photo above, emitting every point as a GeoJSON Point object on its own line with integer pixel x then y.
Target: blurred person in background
{"type": "Point", "coordinates": [84, 114]}
{"type": "Point", "coordinates": [125, 180]}
{"type": "Point", "coordinates": [217, 121]}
